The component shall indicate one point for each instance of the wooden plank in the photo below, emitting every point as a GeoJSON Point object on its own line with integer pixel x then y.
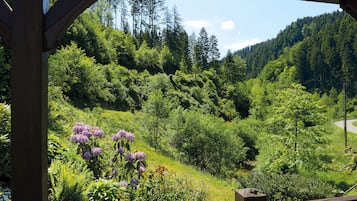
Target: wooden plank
{"type": "Point", "coordinates": [60, 16]}
{"type": "Point", "coordinates": [28, 103]}
{"type": "Point", "coordinates": [5, 22]}
{"type": "Point", "coordinates": [350, 6]}
{"type": "Point", "coordinates": [350, 198]}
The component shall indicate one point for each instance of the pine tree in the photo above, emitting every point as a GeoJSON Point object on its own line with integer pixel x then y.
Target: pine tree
{"type": "Point", "coordinates": [201, 49]}
{"type": "Point", "coordinates": [233, 69]}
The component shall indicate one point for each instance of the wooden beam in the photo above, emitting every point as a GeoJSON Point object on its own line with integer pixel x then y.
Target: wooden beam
{"type": "Point", "coordinates": [5, 22]}
{"type": "Point", "coordinates": [350, 6]}
{"type": "Point", "coordinates": [60, 16]}
{"type": "Point", "coordinates": [28, 103]}
{"type": "Point", "coordinates": [351, 198]}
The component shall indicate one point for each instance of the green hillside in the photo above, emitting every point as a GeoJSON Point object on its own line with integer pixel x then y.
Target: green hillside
{"type": "Point", "coordinates": [180, 123]}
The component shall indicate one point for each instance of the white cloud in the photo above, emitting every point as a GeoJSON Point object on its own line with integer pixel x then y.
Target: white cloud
{"type": "Point", "coordinates": [227, 25]}
{"type": "Point", "coordinates": [196, 24]}
{"type": "Point", "coordinates": [243, 44]}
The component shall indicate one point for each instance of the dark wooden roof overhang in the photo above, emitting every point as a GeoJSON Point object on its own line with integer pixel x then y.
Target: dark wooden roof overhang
{"type": "Point", "coordinates": [350, 6]}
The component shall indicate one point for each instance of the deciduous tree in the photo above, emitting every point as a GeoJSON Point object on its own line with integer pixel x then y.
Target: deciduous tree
{"type": "Point", "coordinates": [296, 129]}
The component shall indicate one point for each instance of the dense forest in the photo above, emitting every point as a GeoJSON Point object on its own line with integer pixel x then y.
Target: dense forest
{"type": "Point", "coordinates": [323, 51]}
{"type": "Point", "coordinates": [257, 115]}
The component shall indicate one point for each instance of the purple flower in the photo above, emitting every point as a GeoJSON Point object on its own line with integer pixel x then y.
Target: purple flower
{"type": "Point", "coordinates": [86, 133]}
{"type": "Point", "coordinates": [79, 138]}
{"type": "Point", "coordinates": [87, 155]}
{"type": "Point", "coordinates": [122, 133]}
{"type": "Point", "coordinates": [141, 169]}
{"type": "Point", "coordinates": [134, 182]}
{"type": "Point", "coordinates": [129, 136]}
{"type": "Point", "coordinates": [79, 127]}
{"type": "Point", "coordinates": [96, 151]}
{"type": "Point", "coordinates": [130, 157]}
{"type": "Point", "coordinates": [123, 183]}
{"type": "Point", "coordinates": [140, 156]}
{"type": "Point", "coordinates": [97, 132]}
{"type": "Point", "coordinates": [116, 136]}
{"type": "Point", "coordinates": [114, 172]}
{"type": "Point", "coordinates": [121, 150]}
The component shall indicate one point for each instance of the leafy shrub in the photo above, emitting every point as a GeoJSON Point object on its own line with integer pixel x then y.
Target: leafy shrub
{"type": "Point", "coordinates": [158, 107]}
{"type": "Point", "coordinates": [79, 77]}
{"type": "Point", "coordinates": [5, 130]}
{"type": "Point", "coordinates": [56, 149]}
{"type": "Point", "coordinates": [205, 141]}
{"type": "Point", "coordinates": [5, 175]}
{"type": "Point", "coordinates": [68, 181]}
{"type": "Point", "coordinates": [161, 184]}
{"type": "Point", "coordinates": [58, 115]}
{"type": "Point", "coordinates": [4, 119]}
{"type": "Point", "coordinates": [104, 190]}
{"type": "Point", "coordinates": [147, 59]}
{"type": "Point", "coordinates": [288, 186]}
{"type": "Point", "coordinates": [248, 130]}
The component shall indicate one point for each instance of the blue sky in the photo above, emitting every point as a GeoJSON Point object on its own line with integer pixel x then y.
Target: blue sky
{"type": "Point", "coordinates": [239, 23]}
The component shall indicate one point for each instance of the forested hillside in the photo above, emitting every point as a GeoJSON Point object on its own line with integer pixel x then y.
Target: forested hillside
{"type": "Point", "coordinates": [259, 113]}
{"type": "Point", "coordinates": [323, 50]}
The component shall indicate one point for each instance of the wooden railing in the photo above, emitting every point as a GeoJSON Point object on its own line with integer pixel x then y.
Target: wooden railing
{"type": "Point", "coordinates": [350, 198]}
{"type": "Point", "coordinates": [252, 194]}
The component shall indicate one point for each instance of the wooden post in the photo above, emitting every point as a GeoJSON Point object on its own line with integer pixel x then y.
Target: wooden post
{"type": "Point", "coordinates": [28, 103]}
{"type": "Point", "coordinates": [250, 194]}
{"type": "Point", "coordinates": [29, 31]}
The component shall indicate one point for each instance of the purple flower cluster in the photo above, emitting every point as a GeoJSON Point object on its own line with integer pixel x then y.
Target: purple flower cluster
{"type": "Point", "coordinates": [130, 136]}
{"type": "Point", "coordinates": [87, 155]}
{"type": "Point", "coordinates": [123, 183]}
{"type": "Point", "coordinates": [140, 156]}
{"type": "Point", "coordinates": [123, 134]}
{"type": "Point", "coordinates": [130, 157]}
{"type": "Point", "coordinates": [88, 148]}
{"type": "Point", "coordinates": [121, 150]}
{"type": "Point", "coordinates": [96, 151]}
{"type": "Point", "coordinates": [134, 182]}
{"type": "Point", "coordinates": [79, 138]}
{"type": "Point", "coordinates": [97, 132]}
{"type": "Point", "coordinates": [141, 169]}
{"type": "Point", "coordinates": [79, 127]}
{"type": "Point", "coordinates": [81, 135]}
{"type": "Point", "coordinates": [84, 129]}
